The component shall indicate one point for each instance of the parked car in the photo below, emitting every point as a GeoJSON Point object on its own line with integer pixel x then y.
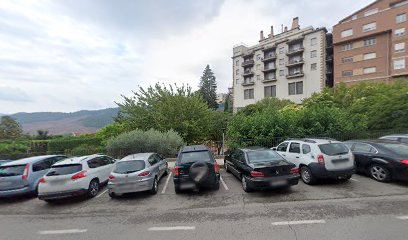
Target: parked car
{"type": "Point", "coordinates": [21, 177]}
{"type": "Point", "coordinates": [261, 168]}
{"type": "Point", "coordinates": [383, 160]}
{"type": "Point", "coordinates": [137, 173]}
{"type": "Point", "coordinates": [75, 176]}
{"type": "Point", "coordinates": [195, 167]}
{"type": "Point", "coordinates": [2, 162]}
{"type": "Point", "coordinates": [318, 158]}
{"type": "Point", "coordinates": [403, 138]}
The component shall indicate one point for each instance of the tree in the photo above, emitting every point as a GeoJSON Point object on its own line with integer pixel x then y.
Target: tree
{"type": "Point", "coordinates": [10, 128]}
{"type": "Point", "coordinates": [208, 88]}
{"type": "Point", "coordinates": [42, 135]}
{"type": "Point", "coordinates": [219, 122]}
{"type": "Point", "coordinates": [165, 108]}
{"type": "Point", "coordinates": [228, 103]}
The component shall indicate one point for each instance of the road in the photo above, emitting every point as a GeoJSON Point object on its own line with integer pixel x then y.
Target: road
{"type": "Point", "coordinates": [357, 209]}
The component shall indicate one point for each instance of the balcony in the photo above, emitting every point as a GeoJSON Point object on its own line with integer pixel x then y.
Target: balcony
{"type": "Point", "coordinates": [269, 69]}
{"type": "Point", "coordinates": [269, 48]}
{"type": "Point", "coordinates": [329, 71]}
{"type": "Point", "coordinates": [248, 83]}
{"type": "Point", "coordinates": [329, 58]}
{"type": "Point", "coordinates": [248, 73]}
{"type": "Point", "coordinates": [248, 63]}
{"type": "Point", "coordinates": [295, 74]}
{"type": "Point", "coordinates": [295, 62]}
{"type": "Point", "coordinates": [248, 54]}
{"type": "Point", "coordinates": [269, 57]}
{"type": "Point", "coordinates": [296, 40]}
{"type": "Point", "coordinates": [293, 51]}
{"type": "Point", "coordinates": [270, 79]}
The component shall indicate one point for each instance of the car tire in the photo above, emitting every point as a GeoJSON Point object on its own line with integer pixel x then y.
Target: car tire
{"type": "Point", "coordinates": [226, 167]}
{"type": "Point", "coordinates": [50, 201]}
{"type": "Point", "coordinates": [93, 188]}
{"type": "Point", "coordinates": [112, 195]}
{"type": "Point", "coordinates": [155, 187]}
{"type": "Point", "coordinates": [379, 172]}
{"type": "Point", "coordinates": [245, 185]}
{"type": "Point", "coordinates": [177, 189]}
{"type": "Point", "coordinates": [307, 176]}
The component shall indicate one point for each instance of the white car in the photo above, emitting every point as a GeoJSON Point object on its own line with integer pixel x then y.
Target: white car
{"type": "Point", "coordinates": [75, 176]}
{"type": "Point", "coordinates": [318, 158]}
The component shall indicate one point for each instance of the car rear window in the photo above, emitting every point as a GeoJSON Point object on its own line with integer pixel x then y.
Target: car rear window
{"type": "Point", "coordinates": [400, 149]}
{"type": "Point", "coordinates": [263, 156]}
{"type": "Point", "coordinates": [8, 171]}
{"type": "Point", "coordinates": [64, 169]}
{"type": "Point", "coordinates": [201, 156]}
{"type": "Point", "coordinates": [333, 149]}
{"type": "Point", "coordinates": [129, 166]}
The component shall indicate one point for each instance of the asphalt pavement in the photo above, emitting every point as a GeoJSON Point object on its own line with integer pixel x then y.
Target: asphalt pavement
{"type": "Point", "coordinates": [360, 208]}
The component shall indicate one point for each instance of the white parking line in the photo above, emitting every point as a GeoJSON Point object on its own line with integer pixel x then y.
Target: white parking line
{"type": "Point", "coordinates": [298, 222]}
{"type": "Point", "coordinates": [167, 182]}
{"type": "Point", "coordinates": [352, 179]}
{"type": "Point", "coordinates": [403, 217]}
{"type": "Point", "coordinates": [171, 228]}
{"type": "Point", "coordinates": [102, 193]}
{"type": "Point", "coordinates": [223, 184]}
{"type": "Point", "coordinates": [65, 231]}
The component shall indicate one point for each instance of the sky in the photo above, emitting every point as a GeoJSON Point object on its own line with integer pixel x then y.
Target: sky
{"type": "Point", "coordinates": [59, 55]}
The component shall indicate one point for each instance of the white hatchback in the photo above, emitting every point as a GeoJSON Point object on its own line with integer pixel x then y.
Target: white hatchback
{"type": "Point", "coordinates": [75, 176]}
{"type": "Point", "coordinates": [318, 158]}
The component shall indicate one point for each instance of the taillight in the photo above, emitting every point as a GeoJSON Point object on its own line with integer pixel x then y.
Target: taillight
{"type": "Point", "coordinates": [144, 174]}
{"type": "Point", "coordinates": [320, 159]}
{"type": "Point", "coordinates": [216, 168]}
{"type": "Point", "coordinates": [111, 178]}
{"type": "Point", "coordinates": [79, 175]}
{"type": "Point", "coordinates": [176, 171]}
{"type": "Point", "coordinates": [257, 174]}
{"type": "Point", "coordinates": [404, 162]}
{"type": "Point", "coordinates": [294, 170]}
{"type": "Point", "coordinates": [42, 180]}
{"type": "Point", "coordinates": [25, 173]}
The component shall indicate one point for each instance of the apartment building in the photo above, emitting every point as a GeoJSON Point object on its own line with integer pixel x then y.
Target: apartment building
{"type": "Point", "coordinates": [291, 65]}
{"type": "Point", "coordinates": [370, 44]}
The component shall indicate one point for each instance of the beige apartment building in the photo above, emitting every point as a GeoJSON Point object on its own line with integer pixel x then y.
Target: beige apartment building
{"type": "Point", "coordinates": [370, 44]}
{"type": "Point", "coordinates": [291, 65]}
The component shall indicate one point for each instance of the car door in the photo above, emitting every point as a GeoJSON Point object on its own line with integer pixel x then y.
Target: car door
{"type": "Point", "coordinates": [363, 154]}
{"type": "Point", "coordinates": [282, 148]}
{"type": "Point", "coordinates": [293, 153]}
{"type": "Point", "coordinates": [236, 158]}
{"type": "Point", "coordinates": [95, 170]}
{"type": "Point", "coordinates": [162, 164]}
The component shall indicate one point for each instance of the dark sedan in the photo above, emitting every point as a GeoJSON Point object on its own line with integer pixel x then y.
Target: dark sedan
{"type": "Point", "coordinates": [381, 159]}
{"type": "Point", "coordinates": [261, 168]}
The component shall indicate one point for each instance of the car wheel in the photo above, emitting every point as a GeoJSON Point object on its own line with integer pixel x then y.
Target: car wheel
{"type": "Point", "coordinates": [226, 167]}
{"type": "Point", "coordinates": [380, 173]}
{"type": "Point", "coordinates": [307, 176]}
{"type": "Point", "coordinates": [112, 194]}
{"type": "Point", "coordinates": [93, 188]}
{"type": "Point", "coordinates": [50, 201]}
{"type": "Point", "coordinates": [155, 187]}
{"type": "Point", "coordinates": [177, 189]}
{"type": "Point", "coordinates": [245, 185]}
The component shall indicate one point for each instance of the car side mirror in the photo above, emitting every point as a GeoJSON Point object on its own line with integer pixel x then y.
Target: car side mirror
{"type": "Point", "coordinates": [274, 148]}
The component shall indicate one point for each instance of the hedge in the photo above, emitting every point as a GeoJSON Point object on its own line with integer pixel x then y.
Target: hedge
{"type": "Point", "coordinates": [69, 143]}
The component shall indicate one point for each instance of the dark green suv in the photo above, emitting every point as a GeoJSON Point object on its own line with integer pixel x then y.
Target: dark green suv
{"type": "Point", "coordinates": [196, 168]}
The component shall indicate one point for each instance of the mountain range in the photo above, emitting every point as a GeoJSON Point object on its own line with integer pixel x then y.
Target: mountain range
{"type": "Point", "coordinates": [84, 121]}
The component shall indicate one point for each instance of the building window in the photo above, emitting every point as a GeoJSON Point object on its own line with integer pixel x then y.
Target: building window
{"type": "Point", "coordinates": [281, 72]}
{"type": "Point", "coordinates": [369, 56]}
{"type": "Point", "coordinates": [347, 47]}
{"type": "Point", "coordinates": [313, 41]}
{"type": "Point", "coordinates": [237, 81]}
{"type": "Point", "coordinates": [281, 61]}
{"type": "Point", "coordinates": [249, 93]}
{"type": "Point", "coordinates": [347, 33]}
{"type": "Point", "coordinates": [347, 60]}
{"type": "Point", "coordinates": [347, 73]}
{"type": "Point", "coordinates": [369, 27]}
{"type": "Point", "coordinates": [281, 50]}
{"type": "Point", "coordinates": [295, 88]}
{"type": "Point", "coordinates": [369, 42]}
{"type": "Point", "coordinates": [371, 12]}
{"type": "Point", "coordinates": [399, 47]}
{"type": "Point", "coordinates": [270, 91]}
{"type": "Point", "coordinates": [237, 63]}
{"type": "Point", "coordinates": [258, 77]}
{"type": "Point", "coordinates": [369, 70]}
{"type": "Point", "coordinates": [313, 54]}
{"type": "Point", "coordinates": [399, 32]}
{"type": "Point", "coordinates": [401, 18]}
{"type": "Point", "coordinates": [313, 66]}
{"type": "Point", "coordinates": [399, 64]}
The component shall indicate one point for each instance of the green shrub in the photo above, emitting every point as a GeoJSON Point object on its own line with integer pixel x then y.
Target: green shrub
{"type": "Point", "coordinates": [39, 146]}
{"type": "Point", "coordinates": [137, 141]}
{"type": "Point", "coordinates": [69, 143]}
{"type": "Point", "coordinates": [85, 149]}
{"type": "Point", "coordinates": [13, 149]}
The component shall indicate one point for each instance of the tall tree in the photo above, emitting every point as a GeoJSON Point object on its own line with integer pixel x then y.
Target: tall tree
{"type": "Point", "coordinates": [10, 128]}
{"type": "Point", "coordinates": [42, 135]}
{"type": "Point", "coordinates": [208, 88]}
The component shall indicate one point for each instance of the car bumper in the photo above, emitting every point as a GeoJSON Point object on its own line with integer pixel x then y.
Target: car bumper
{"type": "Point", "coordinates": [16, 192]}
{"type": "Point", "coordinates": [64, 194]}
{"type": "Point", "coordinates": [400, 173]}
{"type": "Point", "coordinates": [320, 171]}
{"type": "Point", "coordinates": [185, 182]}
{"type": "Point", "coordinates": [271, 183]}
{"type": "Point", "coordinates": [140, 186]}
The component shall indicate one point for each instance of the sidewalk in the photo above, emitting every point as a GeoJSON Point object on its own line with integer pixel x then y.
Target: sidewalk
{"type": "Point", "coordinates": [171, 162]}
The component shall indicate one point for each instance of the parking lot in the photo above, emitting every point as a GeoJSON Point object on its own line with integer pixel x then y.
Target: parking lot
{"type": "Point", "coordinates": [332, 209]}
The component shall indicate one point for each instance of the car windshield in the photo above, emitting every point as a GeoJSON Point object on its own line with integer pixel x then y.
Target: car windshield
{"type": "Point", "coordinates": [333, 149]}
{"type": "Point", "coordinates": [129, 166]}
{"type": "Point", "coordinates": [59, 170]}
{"type": "Point", "coordinates": [8, 171]}
{"type": "Point", "coordinates": [202, 156]}
{"type": "Point", "coordinates": [400, 149]}
{"type": "Point", "coordinates": [263, 156]}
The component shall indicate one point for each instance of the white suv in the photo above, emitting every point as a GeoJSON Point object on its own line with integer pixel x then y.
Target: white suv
{"type": "Point", "coordinates": [318, 158]}
{"type": "Point", "coordinates": [75, 176]}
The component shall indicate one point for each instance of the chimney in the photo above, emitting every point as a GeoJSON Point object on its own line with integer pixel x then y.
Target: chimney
{"type": "Point", "coordinates": [295, 23]}
{"type": "Point", "coordinates": [286, 29]}
{"type": "Point", "coordinates": [261, 36]}
{"type": "Point", "coordinates": [271, 34]}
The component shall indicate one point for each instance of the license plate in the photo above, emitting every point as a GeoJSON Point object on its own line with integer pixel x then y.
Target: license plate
{"type": "Point", "coordinates": [278, 183]}
{"type": "Point", "coordinates": [340, 160]}
{"type": "Point", "coordinates": [187, 185]}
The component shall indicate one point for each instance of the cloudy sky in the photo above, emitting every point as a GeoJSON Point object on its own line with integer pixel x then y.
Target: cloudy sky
{"type": "Point", "coordinates": [68, 55]}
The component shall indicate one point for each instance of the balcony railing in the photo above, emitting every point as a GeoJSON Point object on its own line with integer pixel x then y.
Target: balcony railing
{"type": "Point", "coordinates": [294, 62]}
{"type": "Point", "coordinates": [329, 71]}
{"type": "Point", "coordinates": [248, 73]}
{"type": "Point", "coordinates": [329, 58]}
{"type": "Point", "coordinates": [248, 63]}
{"type": "Point", "coordinates": [295, 74]}
{"type": "Point", "coordinates": [269, 79]}
{"type": "Point", "coordinates": [295, 50]}
{"type": "Point", "coordinates": [248, 83]}
{"type": "Point", "coordinates": [269, 57]}
{"type": "Point", "coordinates": [269, 69]}
{"type": "Point", "coordinates": [269, 48]}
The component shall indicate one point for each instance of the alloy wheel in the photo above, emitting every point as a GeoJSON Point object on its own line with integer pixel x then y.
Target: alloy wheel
{"type": "Point", "coordinates": [305, 175]}
{"type": "Point", "coordinates": [244, 184]}
{"type": "Point", "coordinates": [379, 173]}
{"type": "Point", "coordinates": [94, 188]}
